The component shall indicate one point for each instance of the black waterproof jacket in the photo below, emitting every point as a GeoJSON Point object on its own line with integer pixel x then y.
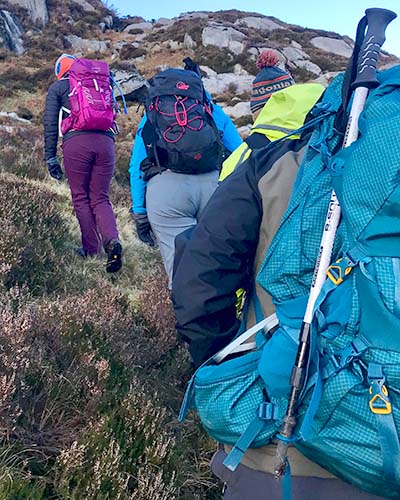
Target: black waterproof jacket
{"type": "Point", "coordinates": [57, 97]}
{"type": "Point", "coordinates": [224, 250]}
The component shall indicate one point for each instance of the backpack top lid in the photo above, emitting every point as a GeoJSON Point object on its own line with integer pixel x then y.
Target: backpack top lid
{"type": "Point", "coordinates": [88, 68]}
{"type": "Point", "coordinates": [180, 82]}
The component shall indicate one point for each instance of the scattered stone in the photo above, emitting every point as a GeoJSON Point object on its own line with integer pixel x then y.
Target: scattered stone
{"type": "Point", "coordinates": [301, 59]}
{"type": "Point", "coordinates": [13, 116]}
{"type": "Point", "coordinates": [83, 45]}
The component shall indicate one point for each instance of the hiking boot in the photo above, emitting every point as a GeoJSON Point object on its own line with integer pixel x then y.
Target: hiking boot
{"type": "Point", "coordinates": [114, 256]}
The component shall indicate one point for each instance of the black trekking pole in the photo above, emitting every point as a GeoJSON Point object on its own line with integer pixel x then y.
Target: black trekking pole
{"type": "Point", "coordinates": [377, 21]}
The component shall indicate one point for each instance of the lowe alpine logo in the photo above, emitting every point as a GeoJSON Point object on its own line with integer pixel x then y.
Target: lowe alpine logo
{"type": "Point", "coordinates": [182, 86]}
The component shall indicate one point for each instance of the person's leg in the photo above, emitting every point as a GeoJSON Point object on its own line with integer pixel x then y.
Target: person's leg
{"type": "Point", "coordinates": [206, 184]}
{"type": "Point", "coordinates": [249, 484]}
{"type": "Point", "coordinates": [99, 187]}
{"type": "Point", "coordinates": [171, 209]}
{"type": "Point", "coordinates": [78, 159]}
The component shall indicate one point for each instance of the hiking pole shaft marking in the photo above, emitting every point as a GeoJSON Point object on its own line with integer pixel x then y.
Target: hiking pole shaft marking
{"type": "Point", "coordinates": [378, 20]}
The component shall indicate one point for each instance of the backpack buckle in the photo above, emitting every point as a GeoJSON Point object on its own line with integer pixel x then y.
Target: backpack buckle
{"type": "Point", "coordinates": [268, 411]}
{"type": "Point", "coordinates": [338, 271]}
{"type": "Point", "coordinates": [379, 402]}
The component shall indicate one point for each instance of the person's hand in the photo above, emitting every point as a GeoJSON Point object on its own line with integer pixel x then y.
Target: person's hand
{"type": "Point", "coordinates": [143, 229]}
{"type": "Point", "coordinates": [54, 168]}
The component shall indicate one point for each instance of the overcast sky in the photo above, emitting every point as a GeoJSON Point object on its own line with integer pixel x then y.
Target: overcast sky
{"type": "Point", "coordinates": [340, 16]}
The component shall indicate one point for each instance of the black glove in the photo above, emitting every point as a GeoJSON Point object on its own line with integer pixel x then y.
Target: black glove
{"type": "Point", "coordinates": [54, 168]}
{"type": "Point", "coordinates": [143, 229]}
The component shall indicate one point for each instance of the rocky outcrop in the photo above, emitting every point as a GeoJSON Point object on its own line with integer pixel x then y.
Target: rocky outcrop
{"type": "Point", "coordinates": [86, 6]}
{"type": "Point", "coordinates": [339, 47]}
{"type": "Point", "coordinates": [223, 37]}
{"type": "Point", "coordinates": [259, 23]}
{"type": "Point", "coordinates": [82, 45]}
{"type": "Point", "coordinates": [10, 32]}
{"type": "Point", "coordinates": [132, 83]}
{"type": "Point", "coordinates": [37, 9]}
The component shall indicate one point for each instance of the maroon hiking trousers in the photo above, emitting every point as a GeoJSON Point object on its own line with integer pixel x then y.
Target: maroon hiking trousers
{"type": "Point", "coordinates": [89, 160]}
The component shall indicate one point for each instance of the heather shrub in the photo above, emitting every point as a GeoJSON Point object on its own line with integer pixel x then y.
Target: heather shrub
{"type": "Point", "coordinates": [123, 455]}
{"type": "Point", "coordinates": [33, 235]}
{"type": "Point", "coordinates": [22, 152]}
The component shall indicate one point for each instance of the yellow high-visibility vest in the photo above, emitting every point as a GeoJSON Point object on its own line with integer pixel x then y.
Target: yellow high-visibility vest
{"type": "Point", "coordinates": [283, 113]}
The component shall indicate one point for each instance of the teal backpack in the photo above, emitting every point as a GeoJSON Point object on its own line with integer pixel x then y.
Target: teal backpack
{"type": "Point", "coordinates": [349, 409]}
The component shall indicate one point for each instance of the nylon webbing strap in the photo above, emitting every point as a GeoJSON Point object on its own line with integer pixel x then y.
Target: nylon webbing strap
{"type": "Point", "coordinates": [389, 440]}
{"type": "Point", "coordinates": [245, 440]}
{"type": "Point", "coordinates": [287, 483]}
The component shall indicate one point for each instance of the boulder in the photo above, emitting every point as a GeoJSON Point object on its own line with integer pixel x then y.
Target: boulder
{"type": "Point", "coordinates": [339, 47]}
{"type": "Point", "coordinates": [300, 59]}
{"type": "Point", "coordinates": [208, 71]}
{"type": "Point", "coordinates": [37, 9]}
{"type": "Point", "coordinates": [132, 84]}
{"type": "Point", "coordinates": [218, 84]}
{"type": "Point", "coordinates": [86, 6]}
{"type": "Point", "coordinates": [238, 110]}
{"type": "Point", "coordinates": [10, 32]}
{"type": "Point", "coordinates": [259, 23]}
{"type": "Point", "coordinates": [83, 45]}
{"type": "Point", "coordinates": [138, 26]}
{"type": "Point", "coordinates": [244, 131]}
{"type": "Point", "coordinates": [107, 23]}
{"type": "Point", "coordinates": [223, 37]}
{"type": "Point", "coordinates": [188, 42]}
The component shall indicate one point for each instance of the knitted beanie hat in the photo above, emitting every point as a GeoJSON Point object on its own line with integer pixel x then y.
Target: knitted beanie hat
{"type": "Point", "coordinates": [63, 64]}
{"type": "Point", "coordinates": [269, 79]}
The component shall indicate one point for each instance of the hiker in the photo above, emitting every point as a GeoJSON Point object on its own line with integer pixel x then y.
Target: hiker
{"type": "Point", "coordinates": [223, 253]}
{"type": "Point", "coordinates": [278, 106]}
{"type": "Point", "coordinates": [89, 160]}
{"type": "Point", "coordinates": [176, 158]}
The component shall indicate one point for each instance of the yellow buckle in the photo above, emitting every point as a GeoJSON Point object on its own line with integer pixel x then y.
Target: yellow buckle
{"type": "Point", "coordinates": [380, 398]}
{"type": "Point", "coordinates": [336, 272]}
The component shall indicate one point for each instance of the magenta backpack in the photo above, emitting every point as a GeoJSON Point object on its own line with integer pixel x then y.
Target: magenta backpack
{"type": "Point", "coordinates": [91, 97]}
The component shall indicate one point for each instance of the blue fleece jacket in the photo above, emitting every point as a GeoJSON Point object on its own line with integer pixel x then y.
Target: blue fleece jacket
{"type": "Point", "coordinates": [230, 138]}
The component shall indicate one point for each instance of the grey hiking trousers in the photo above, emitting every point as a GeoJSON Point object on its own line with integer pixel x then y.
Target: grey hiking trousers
{"type": "Point", "coordinates": [249, 484]}
{"type": "Point", "coordinates": [174, 203]}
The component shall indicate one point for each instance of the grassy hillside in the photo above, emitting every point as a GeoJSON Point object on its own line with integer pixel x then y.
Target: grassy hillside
{"type": "Point", "coordinates": [91, 374]}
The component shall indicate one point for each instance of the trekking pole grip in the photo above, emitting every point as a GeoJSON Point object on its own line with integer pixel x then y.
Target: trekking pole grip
{"type": "Point", "coordinates": [378, 20]}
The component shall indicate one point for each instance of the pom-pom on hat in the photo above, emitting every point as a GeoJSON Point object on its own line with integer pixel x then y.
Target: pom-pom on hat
{"type": "Point", "coordinates": [269, 79]}
{"type": "Point", "coordinates": [63, 64]}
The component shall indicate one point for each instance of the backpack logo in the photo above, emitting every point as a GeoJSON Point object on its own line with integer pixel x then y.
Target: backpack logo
{"type": "Point", "coordinates": [182, 86]}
